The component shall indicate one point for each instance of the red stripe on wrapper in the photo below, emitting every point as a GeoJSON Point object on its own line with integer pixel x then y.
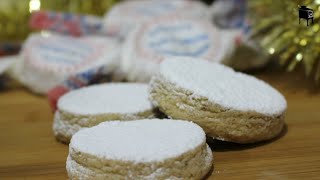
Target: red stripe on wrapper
{"type": "Point", "coordinates": [40, 20]}
{"type": "Point", "coordinates": [54, 95]}
{"type": "Point", "coordinates": [65, 23]}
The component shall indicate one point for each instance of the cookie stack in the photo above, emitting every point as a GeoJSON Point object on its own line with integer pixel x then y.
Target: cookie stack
{"type": "Point", "coordinates": [92, 105]}
{"type": "Point", "coordinates": [200, 97]}
{"type": "Point", "coordinates": [157, 128]}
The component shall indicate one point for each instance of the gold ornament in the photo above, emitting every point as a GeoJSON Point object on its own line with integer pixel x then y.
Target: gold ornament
{"type": "Point", "coordinates": [276, 27]}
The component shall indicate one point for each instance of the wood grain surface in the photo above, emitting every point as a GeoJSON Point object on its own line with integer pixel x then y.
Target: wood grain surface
{"type": "Point", "coordinates": [28, 149]}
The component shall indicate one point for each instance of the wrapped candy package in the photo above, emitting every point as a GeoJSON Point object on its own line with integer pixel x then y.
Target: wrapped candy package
{"type": "Point", "coordinates": [44, 62]}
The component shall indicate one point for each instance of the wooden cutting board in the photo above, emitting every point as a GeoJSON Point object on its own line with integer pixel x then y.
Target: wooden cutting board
{"type": "Point", "coordinates": [28, 149]}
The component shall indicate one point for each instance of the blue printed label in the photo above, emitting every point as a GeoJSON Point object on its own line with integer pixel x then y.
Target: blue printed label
{"type": "Point", "coordinates": [62, 51]}
{"type": "Point", "coordinates": [178, 40]}
{"type": "Point", "coordinates": [155, 9]}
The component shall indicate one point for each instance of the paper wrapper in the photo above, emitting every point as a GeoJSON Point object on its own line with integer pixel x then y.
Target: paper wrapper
{"type": "Point", "coordinates": [66, 23]}
{"type": "Point", "coordinates": [55, 64]}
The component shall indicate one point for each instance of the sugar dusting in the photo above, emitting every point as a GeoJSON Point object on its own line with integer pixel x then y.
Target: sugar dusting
{"type": "Point", "coordinates": [140, 140]}
{"type": "Point", "coordinates": [107, 98]}
{"type": "Point", "coordinates": [223, 86]}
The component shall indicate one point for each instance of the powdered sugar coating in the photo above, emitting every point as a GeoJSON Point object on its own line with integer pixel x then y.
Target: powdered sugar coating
{"type": "Point", "coordinates": [111, 98]}
{"type": "Point", "coordinates": [140, 140]}
{"type": "Point", "coordinates": [223, 86]}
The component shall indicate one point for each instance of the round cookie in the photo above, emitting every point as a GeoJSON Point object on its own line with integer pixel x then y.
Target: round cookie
{"type": "Point", "coordinates": [125, 16]}
{"type": "Point", "coordinates": [92, 105]}
{"type": "Point", "coordinates": [165, 37]}
{"type": "Point", "coordinates": [228, 105]}
{"type": "Point", "coordinates": [142, 149]}
{"type": "Point", "coordinates": [47, 61]}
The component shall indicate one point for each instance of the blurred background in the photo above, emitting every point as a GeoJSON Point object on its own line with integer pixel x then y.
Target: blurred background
{"type": "Point", "coordinates": [15, 14]}
{"type": "Point", "coordinates": [273, 25]}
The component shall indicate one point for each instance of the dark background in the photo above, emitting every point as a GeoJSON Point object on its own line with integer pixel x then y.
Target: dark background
{"type": "Point", "coordinates": [208, 1]}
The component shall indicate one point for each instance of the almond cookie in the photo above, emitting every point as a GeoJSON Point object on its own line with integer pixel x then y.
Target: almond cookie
{"type": "Point", "coordinates": [142, 149]}
{"type": "Point", "coordinates": [92, 105]}
{"type": "Point", "coordinates": [228, 105]}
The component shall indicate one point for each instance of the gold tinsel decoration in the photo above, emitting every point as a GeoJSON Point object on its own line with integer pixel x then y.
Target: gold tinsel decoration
{"type": "Point", "coordinates": [277, 29]}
